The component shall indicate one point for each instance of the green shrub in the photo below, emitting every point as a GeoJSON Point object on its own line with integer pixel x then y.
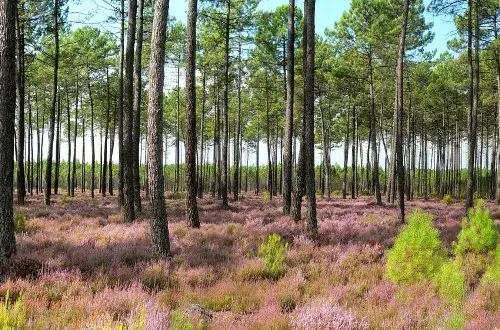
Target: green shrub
{"type": "Point", "coordinates": [272, 250]}
{"type": "Point", "coordinates": [266, 196]}
{"type": "Point", "coordinates": [450, 282]}
{"type": "Point", "coordinates": [287, 304]}
{"type": "Point", "coordinates": [447, 199]}
{"type": "Point", "coordinates": [20, 223]}
{"type": "Point", "coordinates": [492, 273]}
{"type": "Point", "coordinates": [417, 253]}
{"type": "Point", "coordinates": [478, 234]}
{"type": "Point", "coordinates": [13, 316]}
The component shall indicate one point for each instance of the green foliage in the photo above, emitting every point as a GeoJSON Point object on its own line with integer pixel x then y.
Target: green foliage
{"type": "Point", "coordinates": [447, 199]}
{"type": "Point", "coordinates": [20, 223]}
{"type": "Point", "coordinates": [287, 304]}
{"type": "Point", "coordinates": [13, 316]}
{"type": "Point", "coordinates": [266, 196]}
{"type": "Point", "coordinates": [272, 250]}
{"type": "Point", "coordinates": [417, 253]}
{"type": "Point", "coordinates": [179, 321]}
{"type": "Point", "coordinates": [492, 273]}
{"type": "Point", "coordinates": [479, 233]}
{"type": "Point", "coordinates": [450, 282]}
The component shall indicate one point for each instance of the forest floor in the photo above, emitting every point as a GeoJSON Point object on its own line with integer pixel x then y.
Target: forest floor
{"type": "Point", "coordinates": [80, 266]}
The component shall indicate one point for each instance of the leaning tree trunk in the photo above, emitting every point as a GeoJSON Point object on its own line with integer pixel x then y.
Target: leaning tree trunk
{"type": "Point", "coordinates": [158, 223]}
{"type": "Point", "coordinates": [7, 118]}
{"type": "Point", "coordinates": [48, 175]}
{"type": "Point", "coordinates": [191, 203]}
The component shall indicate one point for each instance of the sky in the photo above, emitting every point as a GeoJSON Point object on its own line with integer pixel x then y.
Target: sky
{"type": "Point", "coordinates": [95, 12]}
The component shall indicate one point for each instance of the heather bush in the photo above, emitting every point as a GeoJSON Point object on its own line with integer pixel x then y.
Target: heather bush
{"type": "Point", "coordinates": [326, 316]}
{"type": "Point", "coordinates": [272, 250]}
{"type": "Point", "coordinates": [20, 223]}
{"type": "Point", "coordinates": [157, 277]}
{"type": "Point", "coordinates": [447, 199]}
{"type": "Point", "coordinates": [13, 316]}
{"type": "Point", "coordinates": [450, 282]}
{"type": "Point", "coordinates": [417, 253]}
{"type": "Point", "coordinates": [478, 234]}
{"type": "Point", "coordinates": [252, 270]}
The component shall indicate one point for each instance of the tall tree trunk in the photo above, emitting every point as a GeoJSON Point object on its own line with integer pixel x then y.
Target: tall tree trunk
{"type": "Point", "coordinates": [225, 169]}
{"type": "Point", "coordinates": [128, 115]}
{"type": "Point", "coordinates": [7, 118]}
{"type": "Point", "coordinates": [20, 81]}
{"type": "Point", "coordinates": [257, 166]}
{"type": "Point", "coordinates": [73, 184]}
{"type": "Point", "coordinates": [111, 150]}
{"type": "Point", "coordinates": [178, 128]}
{"type": "Point", "coordinates": [373, 136]}
{"type": "Point", "coordinates": [497, 73]}
{"type": "Point", "coordinates": [290, 87]}
{"type": "Point", "coordinates": [309, 27]}
{"type": "Point", "coordinates": [471, 138]}
{"type": "Point", "coordinates": [399, 113]}
{"type": "Point", "coordinates": [158, 221]}
{"type": "Point", "coordinates": [106, 133]}
{"type": "Point", "coordinates": [137, 106]}
{"type": "Point", "coordinates": [191, 184]}
{"type": "Point", "coordinates": [58, 146]}
{"type": "Point", "coordinates": [236, 182]}
{"type": "Point", "coordinates": [346, 156]}
{"type": "Point", "coordinates": [202, 137]}
{"type": "Point", "coordinates": [120, 116]}
{"type": "Point", "coordinates": [353, 154]}
{"type": "Point", "coordinates": [92, 143]}
{"type": "Point", "coordinates": [48, 175]}
{"type": "Point", "coordinates": [30, 148]}
{"type": "Point", "coordinates": [68, 175]}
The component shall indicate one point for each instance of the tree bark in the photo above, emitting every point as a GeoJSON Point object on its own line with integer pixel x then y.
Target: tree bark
{"type": "Point", "coordinates": [224, 168]}
{"type": "Point", "coordinates": [309, 27]}
{"type": "Point", "coordinates": [120, 105]}
{"type": "Point", "coordinates": [48, 175]}
{"type": "Point", "coordinates": [7, 120]}
{"type": "Point", "coordinates": [373, 136]}
{"type": "Point", "coordinates": [399, 113]}
{"type": "Point", "coordinates": [137, 106]}
{"type": "Point", "coordinates": [128, 114]}
{"type": "Point", "coordinates": [92, 143]}
{"type": "Point", "coordinates": [20, 82]}
{"type": "Point", "coordinates": [191, 143]}
{"type": "Point", "coordinates": [158, 221]}
{"type": "Point", "coordinates": [290, 90]}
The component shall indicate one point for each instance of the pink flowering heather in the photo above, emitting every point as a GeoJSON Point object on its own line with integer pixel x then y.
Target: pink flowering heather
{"type": "Point", "coordinates": [326, 316]}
